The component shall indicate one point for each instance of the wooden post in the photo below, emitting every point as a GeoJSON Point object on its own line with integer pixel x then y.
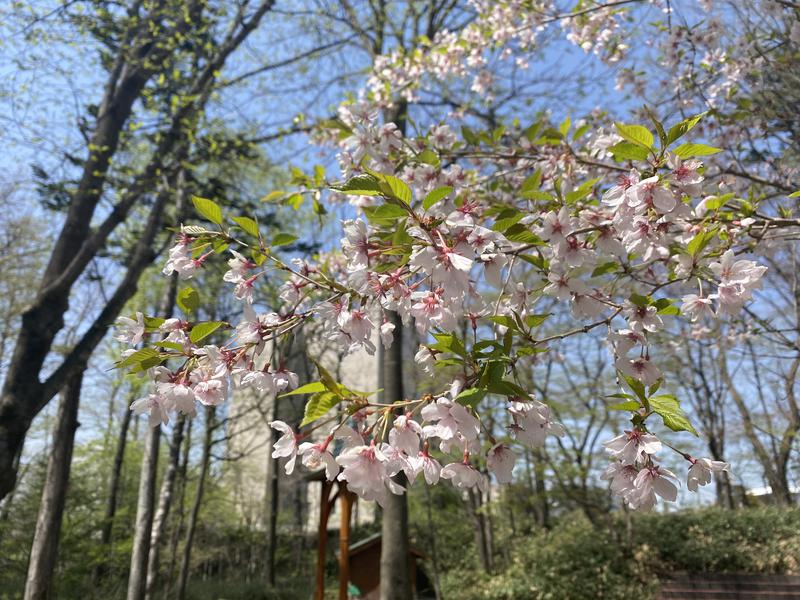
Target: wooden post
{"type": "Point", "coordinates": [322, 538]}
{"type": "Point", "coordinates": [345, 508]}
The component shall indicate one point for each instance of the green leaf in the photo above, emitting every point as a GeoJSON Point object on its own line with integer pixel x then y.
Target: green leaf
{"type": "Point", "coordinates": [283, 239]}
{"type": "Point", "coordinates": [533, 182]}
{"type": "Point", "coordinates": [188, 299]}
{"type": "Point", "coordinates": [203, 330]}
{"type": "Point", "coordinates": [310, 388]}
{"type": "Point", "coordinates": [273, 195]}
{"type": "Point", "coordinates": [679, 130]}
{"type": "Point", "coordinates": [636, 134]}
{"type": "Point", "coordinates": [208, 209]}
{"type": "Point", "coordinates": [607, 267]}
{"type": "Point", "coordinates": [446, 342]}
{"type": "Point", "coordinates": [360, 185]}
{"type": "Point", "coordinates": [688, 150]}
{"type": "Point", "coordinates": [318, 406]}
{"type": "Point", "coordinates": [630, 405]}
{"type": "Point", "coordinates": [144, 354]}
{"type": "Point", "coordinates": [636, 385]}
{"type": "Point", "coordinates": [435, 196]}
{"type": "Point", "coordinates": [428, 157]}
{"type": "Point", "coordinates": [717, 202]}
{"type": "Point", "coordinates": [384, 214]}
{"type": "Point", "coordinates": [507, 218]}
{"type": "Point", "coordinates": [247, 224]}
{"type": "Point", "coordinates": [628, 151]}
{"type": "Point", "coordinates": [396, 188]}
{"type": "Point", "coordinates": [794, 194]}
{"type": "Point", "coordinates": [505, 321]}
{"type": "Point", "coordinates": [640, 301]}
{"type": "Point", "coordinates": [469, 136]}
{"type": "Point", "coordinates": [470, 397]}
{"type": "Point", "coordinates": [169, 345]}
{"type": "Point", "coordinates": [668, 407]}
{"type": "Point", "coordinates": [700, 241]}
{"type": "Point", "coordinates": [536, 320]}
{"type": "Point", "coordinates": [565, 125]}
{"type": "Point", "coordinates": [520, 233]}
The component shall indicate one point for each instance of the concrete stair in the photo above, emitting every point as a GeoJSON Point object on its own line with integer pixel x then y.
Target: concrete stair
{"type": "Point", "coordinates": [731, 587]}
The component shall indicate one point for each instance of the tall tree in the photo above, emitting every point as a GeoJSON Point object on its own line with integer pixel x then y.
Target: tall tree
{"type": "Point", "coordinates": [44, 549]}
{"type": "Point", "coordinates": [145, 506]}
{"type": "Point", "coordinates": [139, 42]}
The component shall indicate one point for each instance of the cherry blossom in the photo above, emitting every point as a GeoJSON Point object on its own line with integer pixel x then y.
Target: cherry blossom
{"type": "Point", "coordinates": [701, 471]}
{"type": "Point", "coordinates": [632, 446]}
{"type": "Point", "coordinates": [464, 476]}
{"type": "Point", "coordinates": [286, 446]}
{"type": "Point", "coordinates": [130, 331]}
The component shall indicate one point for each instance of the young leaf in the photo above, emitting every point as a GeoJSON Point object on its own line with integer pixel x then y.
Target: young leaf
{"type": "Point", "coordinates": [628, 151]}
{"type": "Point", "coordinates": [188, 299]}
{"type": "Point", "coordinates": [688, 150]}
{"type": "Point", "coordinates": [208, 209]}
{"type": "Point", "coordinates": [679, 130]}
{"type": "Point", "coordinates": [428, 157]}
{"type": "Point", "coordinates": [630, 405]}
{"type": "Point", "coordinates": [395, 188]}
{"type": "Point", "coordinates": [283, 239]}
{"type": "Point", "coordinates": [318, 405]}
{"type": "Point", "coordinates": [435, 196]}
{"type": "Point", "coordinates": [137, 357]}
{"type": "Point", "coordinates": [360, 185]}
{"type": "Point", "coordinates": [470, 397]}
{"type": "Point", "coordinates": [636, 134]}
{"type": "Point", "coordinates": [310, 388]}
{"type": "Point", "coordinates": [203, 330]}
{"type": "Point", "coordinates": [668, 407]}
{"type": "Point", "coordinates": [247, 224]}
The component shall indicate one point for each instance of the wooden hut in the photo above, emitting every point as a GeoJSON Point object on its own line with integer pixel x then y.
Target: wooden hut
{"type": "Point", "coordinates": [365, 570]}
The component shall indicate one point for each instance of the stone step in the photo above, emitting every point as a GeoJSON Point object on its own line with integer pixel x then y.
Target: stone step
{"type": "Point", "coordinates": [713, 594]}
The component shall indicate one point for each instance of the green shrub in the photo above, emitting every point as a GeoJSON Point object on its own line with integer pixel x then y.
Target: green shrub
{"type": "Point", "coordinates": [577, 560]}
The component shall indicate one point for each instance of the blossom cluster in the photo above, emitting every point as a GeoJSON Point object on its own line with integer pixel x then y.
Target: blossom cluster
{"type": "Point", "coordinates": [370, 464]}
{"type": "Point", "coordinates": [636, 477]}
{"type": "Point", "coordinates": [465, 237]}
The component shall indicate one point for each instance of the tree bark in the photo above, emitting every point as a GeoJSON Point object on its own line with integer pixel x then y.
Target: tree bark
{"type": "Point", "coordinates": [145, 505]}
{"type": "Point", "coordinates": [271, 503]}
{"type": "Point", "coordinates": [44, 549]}
{"type": "Point", "coordinates": [346, 498]}
{"type": "Point", "coordinates": [181, 506]}
{"type": "Point", "coordinates": [482, 539]}
{"type": "Point", "coordinates": [113, 491]}
{"type": "Point", "coordinates": [434, 550]}
{"type": "Point", "coordinates": [183, 577]}
{"type": "Point", "coordinates": [164, 506]}
{"type": "Point", "coordinates": [144, 515]}
{"type": "Point", "coordinates": [395, 571]}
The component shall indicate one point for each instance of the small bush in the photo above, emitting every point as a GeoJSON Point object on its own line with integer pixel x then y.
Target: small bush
{"type": "Point", "coordinates": [576, 560]}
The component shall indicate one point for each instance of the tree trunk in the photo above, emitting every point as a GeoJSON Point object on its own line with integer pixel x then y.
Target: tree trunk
{"type": "Point", "coordinates": [144, 514]}
{"type": "Point", "coordinates": [345, 511]}
{"type": "Point", "coordinates": [113, 492]}
{"type": "Point", "coordinates": [183, 577]}
{"type": "Point", "coordinates": [434, 550]}
{"type": "Point", "coordinates": [395, 572]}
{"type": "Point", "coordinates": [181, 505]}
{"type": "Point", "coordinates": [271, 504]}
{"type": "Point", "coordinates": [145, 505]}
{"type": "Point", "coordinates": [482, 540]}
{"type": "Point", "coordinates": [44, 549]}
{"type": "Point", "coordinates": [164, 506]}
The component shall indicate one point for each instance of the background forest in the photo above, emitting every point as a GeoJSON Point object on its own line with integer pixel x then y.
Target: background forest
{"type": "Point", "coordinates": [114, 114]}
